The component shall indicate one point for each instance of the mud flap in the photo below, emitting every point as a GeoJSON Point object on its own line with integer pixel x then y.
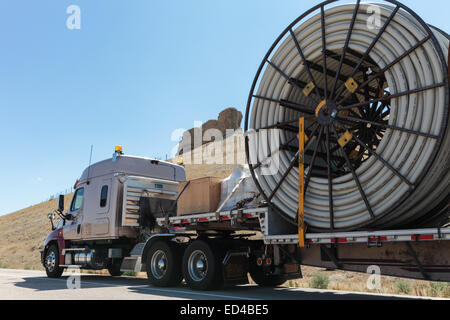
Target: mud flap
{"type": "Point", "coordinates": [236, 267]}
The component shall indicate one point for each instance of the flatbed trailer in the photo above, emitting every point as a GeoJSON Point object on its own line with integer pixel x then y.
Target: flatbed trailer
{"type": "Point", "coordinates": [209, 250]}
{"type": "Point", "coordinates": [414, 253]}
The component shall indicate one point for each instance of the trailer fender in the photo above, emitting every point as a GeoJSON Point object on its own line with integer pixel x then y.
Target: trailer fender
{"type": "Point", "coordinates": [153, 239]}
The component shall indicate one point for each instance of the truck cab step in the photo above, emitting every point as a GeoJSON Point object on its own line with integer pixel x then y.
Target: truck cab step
{"type": "Point", "coordinates": [132, 264]}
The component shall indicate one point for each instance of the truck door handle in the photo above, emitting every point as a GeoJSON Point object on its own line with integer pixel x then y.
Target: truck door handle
{"type": "Point", "coordinates": [79, 229]}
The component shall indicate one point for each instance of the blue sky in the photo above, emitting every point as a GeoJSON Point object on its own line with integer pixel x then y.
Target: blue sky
{"type": "Point", "coordinates": [136, 71]}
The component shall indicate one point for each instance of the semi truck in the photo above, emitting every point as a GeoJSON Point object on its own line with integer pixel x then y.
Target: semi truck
{"type": "Point", "coordinates": [357, 113]}
{"type": "Point", "coordinates": [123, 218]}
{"type": "Point", "coordinates": [120, 219]}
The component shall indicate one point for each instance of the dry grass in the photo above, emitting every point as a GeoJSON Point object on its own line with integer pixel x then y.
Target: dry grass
{"type": "Point", "coordinates": [357, 282]}
{"type": "Point", "coordinates": [22, 235]}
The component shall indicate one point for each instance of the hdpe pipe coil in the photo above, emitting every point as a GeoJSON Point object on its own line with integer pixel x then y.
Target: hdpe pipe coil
{"type": "Point", "coordinates": [371, 81]}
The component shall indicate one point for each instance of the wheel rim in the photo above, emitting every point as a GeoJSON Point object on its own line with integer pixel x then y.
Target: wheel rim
{"type": "Point", "coordinates": [159, 264]}
{"type": "Point", "coordinates": [198, 266]}
{"type": "Point", "coordinates": [50, 261]}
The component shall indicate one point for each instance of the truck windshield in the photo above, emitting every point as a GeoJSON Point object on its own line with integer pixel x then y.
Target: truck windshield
{"type": "Point", "coordinates": [77, 200]}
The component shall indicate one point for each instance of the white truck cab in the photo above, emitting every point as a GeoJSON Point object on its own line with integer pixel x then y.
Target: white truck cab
{"type": "Point", "coordinates": [104, 214]}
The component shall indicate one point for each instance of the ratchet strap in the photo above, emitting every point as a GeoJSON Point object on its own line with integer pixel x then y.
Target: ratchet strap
{"type": "Point", "coordinates": [301, 177]}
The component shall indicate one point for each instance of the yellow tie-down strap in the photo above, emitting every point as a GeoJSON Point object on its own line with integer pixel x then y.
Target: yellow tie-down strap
{"type": "Point", "coordinates": [301, 177]}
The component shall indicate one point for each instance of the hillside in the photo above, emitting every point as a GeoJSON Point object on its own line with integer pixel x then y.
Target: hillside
{"type": "Point", "coordinates": [22, 235]}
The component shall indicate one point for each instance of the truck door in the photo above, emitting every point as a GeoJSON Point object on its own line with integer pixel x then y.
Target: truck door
{"type": "Point", "coordinates": [102, 217]}
{"type": "Point", "coordinates": [72, 230]}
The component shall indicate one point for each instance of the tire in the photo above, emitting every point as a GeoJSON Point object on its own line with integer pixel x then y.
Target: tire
{"type": "Point", "coordinates": [266, 280]}
{"type": "Point", "coordinates": [114, 268]}
{"type": "Point", "coordinates": [163, 264]}
{"type": "Point", "coordinates": [51, 262]}
{"type": "Point", "coordinates": [202, 266]}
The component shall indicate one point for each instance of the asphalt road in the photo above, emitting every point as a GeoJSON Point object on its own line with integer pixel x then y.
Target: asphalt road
{"type": "Point", "coordinates": [34, 285]}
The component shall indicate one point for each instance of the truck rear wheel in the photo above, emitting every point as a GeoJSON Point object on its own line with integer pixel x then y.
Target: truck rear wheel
{"type": "Point", "coordinates": [263, 279]}
{"type": "Point", "coordinates": [51, 262]}
{"type": "Point", "coordinates": [202, 266]}
{"type": "Point", "coordinates": [164, 264]}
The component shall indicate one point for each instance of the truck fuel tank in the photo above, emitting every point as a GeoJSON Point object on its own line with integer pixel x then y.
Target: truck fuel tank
{"type": "Point", "coordinates": [95, 259]}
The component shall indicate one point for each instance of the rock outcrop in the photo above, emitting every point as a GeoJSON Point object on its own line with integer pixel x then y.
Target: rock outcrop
{"type": "Point", "coordinates": [229, 119]}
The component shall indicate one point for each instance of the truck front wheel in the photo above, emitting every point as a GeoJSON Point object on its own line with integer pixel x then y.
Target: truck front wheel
{"type": "Point", "coordinates": [51, 262]}
{"type": "Point", "coordinates": [164, 264]}
{"type": "Point", "coordinates": [114, 268]}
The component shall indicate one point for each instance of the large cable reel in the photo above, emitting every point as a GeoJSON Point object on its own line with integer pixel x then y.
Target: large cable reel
{"type": "Point", "coordinates": [371, 81]}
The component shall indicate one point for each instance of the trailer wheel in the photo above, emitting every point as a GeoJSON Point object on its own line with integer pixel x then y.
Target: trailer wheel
{"type": "Point", "coordinates": [51, 263]}
{"type": "Point", "coordinates": [114, 268]}
{"type": "Point", "coordinates": [264, 279]}
{"type": "Point", "coordinates": [202, 266]}
{"type": "Point", "coordinates": [164, 264]}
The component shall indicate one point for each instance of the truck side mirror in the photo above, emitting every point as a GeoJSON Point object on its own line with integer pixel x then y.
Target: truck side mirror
{"type": "Point", "coordinates": [51, 216]}
{"type": "Point", "coordinates": [61, 203]}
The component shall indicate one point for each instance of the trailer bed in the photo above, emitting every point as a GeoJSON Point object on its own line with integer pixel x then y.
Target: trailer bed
{"type": "Point", "coordinates": [260, 215]}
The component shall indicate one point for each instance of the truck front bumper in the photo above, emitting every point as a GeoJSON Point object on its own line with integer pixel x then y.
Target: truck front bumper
{"type": "Point", "coordinates": [42, 257]}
